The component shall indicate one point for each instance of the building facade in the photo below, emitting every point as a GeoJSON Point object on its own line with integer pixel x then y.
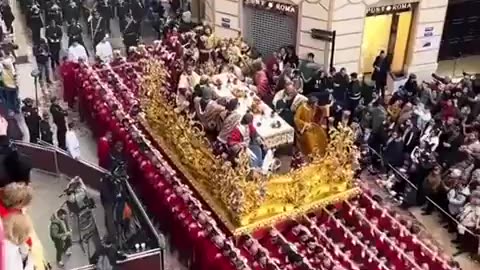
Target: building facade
{"type": "Point", "coordinates": [409, 31]}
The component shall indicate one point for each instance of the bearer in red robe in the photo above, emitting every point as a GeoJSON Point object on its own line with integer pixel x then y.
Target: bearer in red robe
{"type": "Point", "coordinates": [103, 149]}
{"type": "Point", "coordinates": [67, 70]}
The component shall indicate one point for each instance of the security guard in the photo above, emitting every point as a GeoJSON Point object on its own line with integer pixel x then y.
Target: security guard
{"type": "Point", "coordinates": [32, 119]}
{"type": "Point", "coordinates": [54, 12]}
{"type": "Point", "coordinates": [36, 23]}
{"type": "Point", "coordinates": [138, 10]}
{"type": "Point", "coordinates": [46, 133]}
{"type": "Point", "coordinates": [58, 115]}
{"type": "Point", "coordinates": [104, 7]}
{"type": "Point", "coordinates": [72, 11]}
{"type": "Point", "coordinates": [74, 32]}
{"type": "Point", "coordinates": [131, 33]}
{"type": "Point", "coordinates": [54, 34]}
{"type": "Point", "coordinates": [122, 13]}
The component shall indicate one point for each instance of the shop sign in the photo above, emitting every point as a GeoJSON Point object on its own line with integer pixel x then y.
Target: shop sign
{"type": "Point", "coordinates": [374, 11]}
{"type": "Point", "coordinates": [428, 31]}
{"type": "Point", "coordinates": [225, 22]}
{"type": "Point", "coordinates": [287, 9]}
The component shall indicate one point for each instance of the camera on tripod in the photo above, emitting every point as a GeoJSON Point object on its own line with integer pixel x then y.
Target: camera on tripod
{"type": "Point", "coordinates": [77, 196]}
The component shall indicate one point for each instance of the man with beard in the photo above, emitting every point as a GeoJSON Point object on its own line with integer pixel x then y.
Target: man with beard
{"type": "Point", "coordinates": [32, 119]}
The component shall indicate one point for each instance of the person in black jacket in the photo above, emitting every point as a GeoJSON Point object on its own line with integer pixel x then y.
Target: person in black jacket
{"type": "Point", "coordinates": [42, 54]}
{"type": "Point", "coordinates": [46, 133]}
{"type": "Point", "coordinates": [32, 119]}
{"type": "Point", "coordinates": [104, 7]}
{"type": "Point", "coordinates": [14, 167]}
{"type": "Point", "coordinates": [54, 12]}
{"type": "Point", "coordinates": [393, 151]}
{"type": "Point", "coordinates": [71, 12]}
{"type": "Point", "coordinates": [122, 8]}
{"type": "Point", "coordinates": [54, 34]}
{"type": "Point", "coordinates": [97, 26]}
{"type": "Point", "coordinates": [131, 33]}
{"type": "Point", "coordinates": [14, 131]}
{"type": "Point", "coordinates": [35, 22]}
{"type": "Point", "coordinates": [59, 114]}
{"type": "Point", "coordinates": [291, 57]}
{"type": "Point", "coordinates": [381, 67]}
{"type": "Point", "coordinates": [107, 255]}
{"type": "Point", "coordinates": [138, 10]}
{"type": "Point", "coordinates": [354, 92]}
{"type": "Point", "coordinates": [74, 32]}
{"type": "Point", "coordinates": [7, 16]}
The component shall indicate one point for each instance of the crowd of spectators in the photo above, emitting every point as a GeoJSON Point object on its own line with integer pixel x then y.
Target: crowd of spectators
{"type": "Point", "coordinates": [427, 132]}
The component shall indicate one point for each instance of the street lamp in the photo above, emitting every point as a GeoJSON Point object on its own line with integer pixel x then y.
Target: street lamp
{"type": "Point", "coordinates": [35, 74]}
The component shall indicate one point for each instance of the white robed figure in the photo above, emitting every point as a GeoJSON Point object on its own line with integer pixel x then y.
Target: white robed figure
{"type": "Point", "coordinates": [76, 52]}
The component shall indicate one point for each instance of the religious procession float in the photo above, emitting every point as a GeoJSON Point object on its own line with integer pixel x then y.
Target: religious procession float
{"type": "Point", "coordinates": [220, 213]}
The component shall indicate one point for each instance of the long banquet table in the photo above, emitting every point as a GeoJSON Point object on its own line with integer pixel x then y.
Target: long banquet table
{"type": "Point", "coordinates": [272, 129]}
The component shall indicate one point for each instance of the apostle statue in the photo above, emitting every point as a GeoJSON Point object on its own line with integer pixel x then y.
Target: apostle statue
{"type": "Point", "coordinates": [312, 137]}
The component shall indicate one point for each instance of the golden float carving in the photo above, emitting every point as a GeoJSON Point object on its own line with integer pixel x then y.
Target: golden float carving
{"type": "Point", "coordinates": [242, 199]}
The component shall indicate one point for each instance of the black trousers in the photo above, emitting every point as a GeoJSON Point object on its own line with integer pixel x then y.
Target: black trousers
{"type": "Point", "coordinates": [61, 138]}
{"type": "Point", "coordinates": [55, 54]}
{"type": "Point", "coordinates": [380, 85]}
{"type": "Point", "coordinates": [34, 135]}
{"type": "Point", "coordinates": [36, 34]}
{"type": "Point", "coordinates": [61, 246]}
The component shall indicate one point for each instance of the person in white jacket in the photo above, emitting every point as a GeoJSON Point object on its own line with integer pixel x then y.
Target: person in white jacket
{"type": "Point", "coordinates": [104, 50]}
{"type": "Point", "coordinates": [73, 145]}
{"type": "Point", "coordinates": [76, 52]}
{"type": "Point", "coordinates": [17, 255]}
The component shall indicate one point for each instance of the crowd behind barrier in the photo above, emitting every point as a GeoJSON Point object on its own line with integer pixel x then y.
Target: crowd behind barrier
{"type": "Point", "coordinates": [400, 175]}
{"type": "Point", "coordinates": [56, 161]}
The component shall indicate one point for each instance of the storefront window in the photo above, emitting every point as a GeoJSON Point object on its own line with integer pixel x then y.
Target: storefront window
{"type": "Point", "coordinates": [387, 28]}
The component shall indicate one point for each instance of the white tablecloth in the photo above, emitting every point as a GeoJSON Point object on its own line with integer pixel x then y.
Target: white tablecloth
{"type": "Point", "coordinates": [272, 137]}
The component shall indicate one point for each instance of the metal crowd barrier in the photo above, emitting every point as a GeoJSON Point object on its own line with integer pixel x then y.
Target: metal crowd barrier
{"type": "Point", "coordinates": [54, 160]}
{"type": "Point", "coordinates": [430, 200]}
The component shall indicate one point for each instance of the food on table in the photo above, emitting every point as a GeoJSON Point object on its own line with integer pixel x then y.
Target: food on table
{"type": "Point", "coordinates": [256, 108]}
{"type": "Point", "coordinates": [238, 93]}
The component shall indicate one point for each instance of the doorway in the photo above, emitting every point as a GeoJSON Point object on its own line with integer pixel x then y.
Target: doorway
{"type": "Point", "coordinates": [390, 33]}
